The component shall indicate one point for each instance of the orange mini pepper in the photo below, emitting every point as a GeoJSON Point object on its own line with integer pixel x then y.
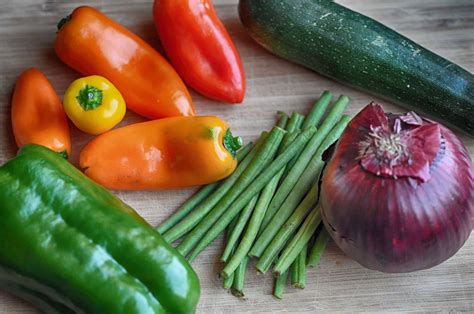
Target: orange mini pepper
{"type": "Point", "coordinates": [162, 154]}
{"type": "Point", "coordinates": [37, 113]}
{"type": "Point", "coordinates": [93, 44]}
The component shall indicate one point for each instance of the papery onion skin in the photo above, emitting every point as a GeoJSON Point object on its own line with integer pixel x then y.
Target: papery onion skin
{"type": "Point", "coordinates": [403, 224]}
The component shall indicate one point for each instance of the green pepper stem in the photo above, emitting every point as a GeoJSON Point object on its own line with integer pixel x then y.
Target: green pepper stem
{"type": "Point", "coordinates": [89, 97]}
{"type": "Point", "coordinates": [63, 21]}
{"type": "Point", "coordinates": [231, 143]}
{"type": "Point", "coordinates": [63, 154]}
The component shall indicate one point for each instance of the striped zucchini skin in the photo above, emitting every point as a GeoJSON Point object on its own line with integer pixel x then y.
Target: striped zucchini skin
{"type": "Point", "coordinates": [358, 51]}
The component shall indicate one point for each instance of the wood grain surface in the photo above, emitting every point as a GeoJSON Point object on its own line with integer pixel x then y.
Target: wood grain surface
{"type": "Point", "coordinates": [337, 284]}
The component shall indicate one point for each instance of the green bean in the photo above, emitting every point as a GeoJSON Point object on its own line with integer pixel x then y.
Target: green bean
{"type": "Point", "coordinates": [264, 154]}
{"type": "Point", "coordinates": [298, 270]}
{"type": "Point", "coordinates": [187, 207]}
{"type": "Point", "coordinates": [318, 109]}
{"type": "Point", "coordinates": [227, 282]}
{"type": "Point", "coordinates": [290, 164]}
{"type": "Point", "coordinates": [298, 168]}
{"type": "Point", "coordinates": [291, 127]}
{"type": "Point", "coordinates": [282, 119]}
{"type": "Point", "coordinates": [190, 221]}
{"type": "Point", "coordinates": [299, 124]}
{"type": "Point", "coordinates": [313, 118]}
{"type": "Point", "coordinates": [197, 198]}
{"type": "Point", "coordinates": [318, 248]}
{"type": "Point", "coordinates": [287, 229]}
{"type": "Point", "coordinates": [298, 191]}
{"type": "Point", "coordinates": [258, 184]}
{"type": "Point", "coordinates": [267, 193]}
{"type": "Point", "coordinates": [295, 120]}
{"type": "Point", "coordinates": [239, 228]}
{"type": "Point", "coordinates": [239, 279]}
{"type": "Point", "coordinates": [294, 247]}
{"type": "Point", "coordinates": [288, 216]}
{"type": "Point", "coordinates": [280, 285]}
{"type": "Point", "coordinates": [253, 226]}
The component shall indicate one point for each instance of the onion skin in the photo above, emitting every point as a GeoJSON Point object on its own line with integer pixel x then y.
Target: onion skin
{"type": "Point", "coordinates": [397, 224]}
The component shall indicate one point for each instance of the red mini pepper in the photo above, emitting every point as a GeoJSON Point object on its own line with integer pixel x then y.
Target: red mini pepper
{"type": "Point", "coordinates": [200, 48]}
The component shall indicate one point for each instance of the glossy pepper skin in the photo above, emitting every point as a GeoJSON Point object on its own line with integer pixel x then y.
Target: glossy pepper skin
{"type": "Point", "coordinates": [94, 104]}
{"type": "Point", "coordinates": [162, 154]}
{"type": "Point", "coordinates": [200, 48]}
{"type": "Point", "coordinates": [37, 113]}
{"type": "Point", "coordinates": [67, 243]}
{"type": "Point", "coordinates": [93, 44]}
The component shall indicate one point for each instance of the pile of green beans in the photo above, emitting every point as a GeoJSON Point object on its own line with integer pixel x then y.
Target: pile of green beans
{"type": "Point", "coordinates": [269, 205]}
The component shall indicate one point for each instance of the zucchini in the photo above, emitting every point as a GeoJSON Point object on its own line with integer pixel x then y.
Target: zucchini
{"type": "Point", "coordinates": [358, 51]}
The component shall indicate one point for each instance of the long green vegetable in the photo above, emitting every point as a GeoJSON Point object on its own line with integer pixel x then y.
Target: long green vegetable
{"type": "Point", "coordinates": [298, 270]}
{"type": "Point", "coordinates": [250, 191]}
{"type": "Point", "coordinates": [282, 119]}
{"type": "Point", "coordinates": [294, 122]}
{"type": "Point", "coordinates": [264, 154]}
{"type": "Point", "coordinates": [280, 285]}
{"type": "Point", "coordinates": [313, 118]}
{"type": "Point", "coordinates": [187, 207]}
{"type": "Point", "coordinates": [243, 202]}
{"type": "Point", "coordinates": [251, 233]}
{"type": "Point", "coordinates": [303, 160]}
{"type": "Point", "coordinates": [318, 110]}
{"type": "Point", "coordinates": [197, 198]}
{"type": "Point", "coordinates": [288, 228]}
{"type": "Point", "coordinates": [291, 128]}
{"type": "Point", "coordinates": [239, 279]}
{"type": "Point", "coordinates": [239, 228]}
{"type": "Point", "coordinates": [318, 248]}
{"type": "Point", "coordinates": [298, 191]}
{"type": "Point", "coordinates": [294, 247]}
{"type": "Point", "coordinates": [354, 49]}
{"type": "Point", "coordinates": [274, 238]}
{"type": "Point", "coordinates": [227, 282]}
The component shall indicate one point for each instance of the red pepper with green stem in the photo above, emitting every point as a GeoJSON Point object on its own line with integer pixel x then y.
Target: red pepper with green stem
{"type": "Point", "coordinates": [200, 48]}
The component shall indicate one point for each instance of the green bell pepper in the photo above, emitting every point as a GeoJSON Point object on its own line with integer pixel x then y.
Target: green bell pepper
{"type": "Point", "coordinates": [69, 245]}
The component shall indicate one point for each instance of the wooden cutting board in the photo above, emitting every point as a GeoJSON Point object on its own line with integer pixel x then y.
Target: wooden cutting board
{"type": "Point", "coordinates": [337, 284]}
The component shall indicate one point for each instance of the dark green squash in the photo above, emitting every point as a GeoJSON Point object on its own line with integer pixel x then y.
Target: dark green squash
{"type": "Point", "coordinates": [359, 51]}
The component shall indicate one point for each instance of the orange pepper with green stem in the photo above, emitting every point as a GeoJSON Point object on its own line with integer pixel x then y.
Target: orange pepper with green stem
{"type": "Point", "coordinates": [162, 154]}
{"type": "Point", "coordinates": [93, 44]}
{"type": "Point", "coordinates": [37, 114]}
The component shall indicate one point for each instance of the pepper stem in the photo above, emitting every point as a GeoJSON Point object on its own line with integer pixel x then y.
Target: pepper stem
{"type": "Point", "coordinates": [89, 97]}
{"type": "Point", "coordinates": [231, 143]}
{"type": "Point", "coordinates": [63, 154]}
{"type": "Point", "coordinates": [63, 21]}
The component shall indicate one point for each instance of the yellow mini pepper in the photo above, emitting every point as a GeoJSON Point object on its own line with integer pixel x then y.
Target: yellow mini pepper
{"type": "Point", "coordinates": [94, 104]}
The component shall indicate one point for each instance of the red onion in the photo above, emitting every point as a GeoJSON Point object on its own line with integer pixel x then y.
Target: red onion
{"type": "Point", "coordinates": [398, 193]}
